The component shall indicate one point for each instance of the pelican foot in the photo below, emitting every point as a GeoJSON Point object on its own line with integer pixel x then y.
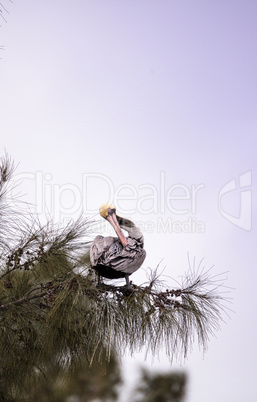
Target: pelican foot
{"type": "Point", "coordinates": [126, 290]}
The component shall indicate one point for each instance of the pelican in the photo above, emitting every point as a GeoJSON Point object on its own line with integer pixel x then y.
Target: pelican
{"type": "Point", "coordinates": [117, 257]}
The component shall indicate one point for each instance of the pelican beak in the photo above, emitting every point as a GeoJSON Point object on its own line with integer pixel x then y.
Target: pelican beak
{"type": "Point", "coordinates": [112, 219]}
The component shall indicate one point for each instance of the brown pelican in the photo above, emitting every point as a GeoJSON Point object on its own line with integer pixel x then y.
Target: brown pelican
{"type": "Point", "coordinates": [117, 257]}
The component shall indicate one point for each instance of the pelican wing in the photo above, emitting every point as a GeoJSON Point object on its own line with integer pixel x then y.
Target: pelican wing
{"type": "Point", "coordinates": [99, 246]}
{"type": "Point", "coordinates": [108, 251]}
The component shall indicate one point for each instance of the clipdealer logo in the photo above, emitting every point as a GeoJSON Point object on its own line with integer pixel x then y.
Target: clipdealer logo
{"type": "Point", "coordinates": [238, 188]}
{"type": "Point", "coordinates": [173, 208]}
{"type": "Point", "coordinates": [63, 201]}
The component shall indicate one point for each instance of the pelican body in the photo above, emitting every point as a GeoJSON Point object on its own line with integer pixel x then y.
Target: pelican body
{"type": "Point", "coordinates": [117, 257]}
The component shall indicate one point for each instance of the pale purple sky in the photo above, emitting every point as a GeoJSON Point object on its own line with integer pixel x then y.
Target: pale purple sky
{"type": "Point", "coordinates": [138, 102]}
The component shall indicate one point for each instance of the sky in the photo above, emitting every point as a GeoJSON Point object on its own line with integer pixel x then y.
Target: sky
{"type": "Point", "coordinates": [150, 105]}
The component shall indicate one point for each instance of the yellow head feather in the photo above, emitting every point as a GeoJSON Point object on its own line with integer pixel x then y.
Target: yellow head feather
{"type": "Point", "coordinates": [104, 209]}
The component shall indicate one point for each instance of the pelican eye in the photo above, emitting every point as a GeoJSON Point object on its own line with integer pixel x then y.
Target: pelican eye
{"type": "Point", "coordinates": [111, 211]}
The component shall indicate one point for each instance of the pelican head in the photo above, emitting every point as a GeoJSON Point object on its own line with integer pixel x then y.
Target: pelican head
{"type": "Point", "coordinates": [108, 212]}
{"type": "Point", "coordinates": [106, 209]}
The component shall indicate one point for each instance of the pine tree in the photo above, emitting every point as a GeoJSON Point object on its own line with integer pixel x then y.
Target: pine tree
{"type": "Point", "coordinates": [160, 387]}
{"type": "Point", "coordinates": [55, 318]}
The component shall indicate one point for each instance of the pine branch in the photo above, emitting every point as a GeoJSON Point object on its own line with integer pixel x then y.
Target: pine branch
{"type": "Point", "coordinates": [25, 299]}
{"type": "Point", "coordinates": [170, 318]}
{"type": "Point", "coordinates": [3, 11]}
